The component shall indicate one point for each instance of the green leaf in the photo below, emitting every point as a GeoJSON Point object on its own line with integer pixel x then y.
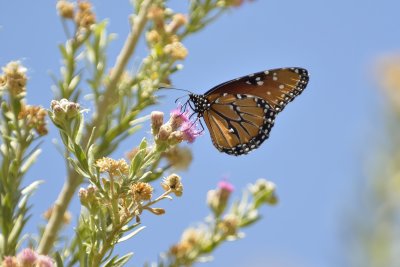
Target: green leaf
{"type": "Point", "coordinates": [28, 191]}
{"type": "Point", "coordinates": [63, 51]}
{"type": "Point", "coordinates": [1, 244]}
{"type": "Point", "coordinates": [58, 259]}
{"type": "Point", "coordinates": [137, 161]}
{"type": "Point", "coordinates": [81, 157]}
{"type": "Point", "coordinates": [76, 167]}
{"type": "Point", "coordinates": [124, 259]}
{"type": "Point", "coordinates": [30, 160]}
{"type": "Point", "coordinates": [114, 262]}
{"type": "Point", "coordinates": [130, 235]}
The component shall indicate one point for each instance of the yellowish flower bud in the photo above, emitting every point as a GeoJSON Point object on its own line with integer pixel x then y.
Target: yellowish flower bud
{"type": "Point", "coordinates": [176, 50]}
{"type": "Point", "coordinates": [15, 78]}
{"type": "Point", "coordinates": [112, 166]}
{"type": "Point", "coordinates": [65, 9]}
{"type": "Point", "coordinates": [173, 183]}
{"type": "Point", "coordinates": [141, 191]}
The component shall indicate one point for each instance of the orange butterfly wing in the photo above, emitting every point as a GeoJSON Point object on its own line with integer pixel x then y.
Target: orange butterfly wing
{"type": "Point", "coordinates": [242, 111]}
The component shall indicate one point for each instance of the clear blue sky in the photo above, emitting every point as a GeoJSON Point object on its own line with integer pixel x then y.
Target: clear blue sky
{"type": "Point", "coordinates": [315, 152]}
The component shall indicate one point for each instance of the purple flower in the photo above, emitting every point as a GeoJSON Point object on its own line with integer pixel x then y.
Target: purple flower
{"type": "Point", "coordinates": [190, 131]}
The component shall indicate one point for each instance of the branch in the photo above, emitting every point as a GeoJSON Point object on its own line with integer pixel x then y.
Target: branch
{"type": "Point", "coordinates": [74, 180]}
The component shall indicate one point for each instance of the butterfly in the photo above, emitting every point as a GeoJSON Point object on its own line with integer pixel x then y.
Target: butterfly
{"type": "Point", "coordinates": [240, 113]}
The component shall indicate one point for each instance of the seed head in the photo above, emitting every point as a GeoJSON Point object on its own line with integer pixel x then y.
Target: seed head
{"type": "Point", "coordinates": [173, 183]}
{"type": "Point", "coordinates": [141, 191]}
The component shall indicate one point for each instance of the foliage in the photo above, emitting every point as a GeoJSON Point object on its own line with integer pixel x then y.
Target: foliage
{"type": "Point", "coordinates": [116, 192]}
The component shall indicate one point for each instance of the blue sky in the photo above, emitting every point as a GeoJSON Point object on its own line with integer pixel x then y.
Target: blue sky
{"type": "Point", "coordinates": [316, 149]}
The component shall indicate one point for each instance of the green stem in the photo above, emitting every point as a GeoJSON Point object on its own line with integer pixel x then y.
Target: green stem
{"type": "Point", "coordinates": [114, 201]}
{"type": "Point", "coordinates": [72, 183]}
{"type": "Point", "coordinates": [108, 99]}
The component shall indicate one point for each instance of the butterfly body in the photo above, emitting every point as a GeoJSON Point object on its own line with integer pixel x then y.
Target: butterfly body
{"type": "Point", "coordinates": [240, 113]}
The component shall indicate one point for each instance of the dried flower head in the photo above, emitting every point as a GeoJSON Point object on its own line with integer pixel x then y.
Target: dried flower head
{"type": "Point", "coordinates": [112, 166]}
{"type": "Point", "coordinates": [141, 191]}
{"type": "Point", "coordinates": [27, 257]}
{"type": "Point", "coordinates": [14, 78]}
{"type": "Point", "coordinates": [35, 118]}
{"type": "Point", "coordinates": [176, 50]}
{"type": "Point", "coordinates": [153, 36]}
{"type": "Point", "coordinates": [173, 183]}
{"type": "Point", "coordinates": [192, 236]}
{"type": "Point", "coordinates": [157, 15]}
{"type": "Point", "coordinates": [85, 17]}
{"type": "Point", "coordinates": [44, 261]}
{"type": "Point", "coordinates": [179, 157]}
{"type": "Point", "coordinates": [178, 20]}
{"type": "Point", "coordinates": [228, 225]}
{"type": "Point", "coordinates": [10, 261]}
{"type": "Point", "coordinates": [179, 251]}
{"type": "Point", "coordinates": [66, 218]}
{"type": "Point", "coordinates": [65, 9]}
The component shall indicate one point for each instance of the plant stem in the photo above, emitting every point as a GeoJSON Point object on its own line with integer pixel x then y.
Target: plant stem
{"type": "Point", "coordinates": [60, 206]}
{"type": "Point", "coordinates": [108, 98]}
{"type": "Point", "coordinates": [72, 183]}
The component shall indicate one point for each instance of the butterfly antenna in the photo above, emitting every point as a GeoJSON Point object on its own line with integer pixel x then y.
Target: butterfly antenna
{"type": "Point", "coordinates": [176, 100]}
{"type": "Point", "coordinates": [179, 89]}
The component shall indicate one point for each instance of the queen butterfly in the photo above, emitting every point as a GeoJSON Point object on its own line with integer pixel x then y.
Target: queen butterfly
{"type": "Point", "coordinates": [240, 113]}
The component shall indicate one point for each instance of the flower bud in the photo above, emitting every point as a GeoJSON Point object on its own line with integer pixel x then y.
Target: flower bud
{"type": "Point", "coordinates": [173, 183]}
{"type": "Point", "coordinates": [165, 132]}
{"type": "Point", "coordinates": [15, 78]}
{"type": "Point", "coordinates": [65, 9]}
{"type": "Point", "coordinates": [217, 199]}
{"type": "Point", "coordinates": [178, 20]}
{"type": "Point", "coordinates": [157, 119]}
{"type": "Point", "coordinates": [228, 225]}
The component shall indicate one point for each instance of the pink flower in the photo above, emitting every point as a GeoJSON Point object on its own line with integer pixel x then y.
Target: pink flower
{"type": "Point", "coordinates": [9, 261]}
{"type": "Point", "coordinates": [178, 117]}
{"type": "Point", "coordinates": [226, 186]}
{"type": "Point", "coordinates": [190, 131]}
{"type": "Point", "coordinates": [44, 261]}
{"type": "Point", "coordinates": [27, 257]}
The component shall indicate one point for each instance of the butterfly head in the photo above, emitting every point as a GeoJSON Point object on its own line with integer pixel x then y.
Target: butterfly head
{"type": "Point", "coordinates": [200, 103]}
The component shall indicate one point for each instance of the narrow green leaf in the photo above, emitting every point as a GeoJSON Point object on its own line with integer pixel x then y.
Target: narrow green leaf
{"type": "Point", "coordinates": [30, 160]}
{"type": "Point", "coordinates": [124, 259]}
{"type": "Point", "coordinates": [132, 234]}
{"type": "Point", "coordinates": [59, 260]}
{"type": "Point", "coordinates": [81, 157]}
{"type": "Point", "coordinates": [77, 168]}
